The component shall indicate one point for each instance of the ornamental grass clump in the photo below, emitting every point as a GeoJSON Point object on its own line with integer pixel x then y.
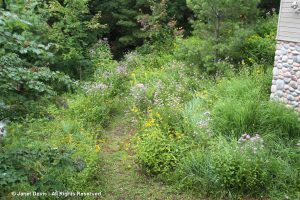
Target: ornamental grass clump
{"type": "Point", "coordinates": [238, 168]}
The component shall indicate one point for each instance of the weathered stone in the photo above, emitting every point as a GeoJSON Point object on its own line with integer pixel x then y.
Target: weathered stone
{"type": "Point", "coordinates": [275, 71]}
{"type": "Point", "coordinates": [287, 80]}
{"type": "Point", "coordinates": [285, 59]}
{"type": "Point", "coordinates": [298, 74]}
{"type": "Point", "coordinates": [294, 104]}
{"type": "Point", "coordinates": [279, 84]}
{"type": "Point", "coordinates": [284, 70]}
{"type": "Point", "coordinates": [286, 46]}
{"type": "Point", "coordinates": [285, 65]}
{"type": "Point", "coordinates": [290, 98]}
{"type": "Point", "coordinates": [293, 84]}
{"type": "Point", "coordinates": [286, 74]}
{"type": "Point", "coordinates": [297, 59]}
{"type": "Point", "coordinates": [279, 94]}
{"type": "Point", "coordinates": [273, 89]}
{"type": "Point", "coordinates": [279, 65]}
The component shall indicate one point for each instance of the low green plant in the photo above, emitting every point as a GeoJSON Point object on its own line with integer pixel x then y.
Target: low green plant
{"type": "Point", "coordinates": [159, 152]}
{"type": "Point", "coordinates": [91, 109]}
{"type": "Point", "coordinates": [231, 168]}
{"type": "Point", "coordinates": [37, 167]}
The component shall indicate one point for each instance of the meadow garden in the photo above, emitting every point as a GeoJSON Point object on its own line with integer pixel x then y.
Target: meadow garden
{"type": "Point", "coordinates": [143, 99]}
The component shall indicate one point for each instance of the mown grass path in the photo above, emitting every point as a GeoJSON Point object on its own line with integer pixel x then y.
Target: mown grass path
{"type": "Point", "coordinates": [122, 177]}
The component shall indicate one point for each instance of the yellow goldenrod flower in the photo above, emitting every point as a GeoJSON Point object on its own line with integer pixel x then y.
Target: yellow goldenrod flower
{"type": "Point", "coordinates": [98, 148]}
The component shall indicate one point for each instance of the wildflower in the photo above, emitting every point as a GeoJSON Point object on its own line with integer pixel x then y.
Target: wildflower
{"type": "Point", "coordinates": [157, 114]}
{"type": "Point", "coordinates": [150, 123]}
{"type": "Point", "coordinates": [98, 148]}
{"type": "Point", "coordinates": [134, 110]}
{"type": "Point", "coordinates": [95, 87]}
{"type": "Point", "coordinates": [69, 139]}
{"type": "Point", "coordinates": [121, 69]}
{"type": "Point", "coordinates": [141, 86]}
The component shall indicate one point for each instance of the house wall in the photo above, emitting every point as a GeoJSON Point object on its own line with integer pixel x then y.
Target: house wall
{"type": "Point", "coordinates": [286, 71]}
{"type": "Point", "coordinates": [289, 22]}
{"type": "Point", "coordinates": [286, 74]}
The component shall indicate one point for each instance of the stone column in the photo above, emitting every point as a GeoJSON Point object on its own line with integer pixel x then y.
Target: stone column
{"type": "Point", "coordinates": [286, 74]}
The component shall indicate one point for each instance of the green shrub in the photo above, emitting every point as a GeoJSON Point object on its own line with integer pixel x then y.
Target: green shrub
{"type": "Point", "coordinates": [196, 53]}
{"type": "Point", "coordinates": [38, 167]}
{"type": "Point", "coordinates": [43, 155]}
{"type": "Point", "coordinates": [259, 47]}
{"type": "Point", "coordinates": [158, 152]}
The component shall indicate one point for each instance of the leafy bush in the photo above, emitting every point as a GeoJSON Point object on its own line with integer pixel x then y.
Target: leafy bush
{"type": "Point", "coordinates": [158, 152]}
{"type": "Point", "coordinates": [195, 52]}
{"type": "Point", "coordinates": [259, 47]}
{"type": "Point", "coordinates": [34, 166]}
{"type": "Point", "coordinates": [21, 86]}
{"type": "Point", "coordinates": [54, 154]}
{"type": "Point", "coordinates": [24, 60]}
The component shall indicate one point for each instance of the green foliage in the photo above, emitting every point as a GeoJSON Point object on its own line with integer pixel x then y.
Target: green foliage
{"type": "Point", "coordinates": [92, 109]}
{"type": "Point", "coordinates": [196, 53]}
{"type": "Point", "coordinates": [159, 31]}
{"type": "Point", "coordinates": [133, 18]}
{"type": "Point", "coordinates": [72, 29]}
{"type": "Point", "coordinates": [220, 134]}
{"type": "Point", "coordinates": [232, 169]}
{"type": "Point", "coordinates": [157, 152]}
{"type": "Point", "coordinates": [34, 166]}
{"type": "Point", "coordinates": [260, 46]}
{"type": "Point", "coordinates": [58, 153]}
{"type": "Point", "coordinates": [220, 29]}
{"type": "Point", "coordinates": [279, 120]}
{"type": "Point", "coordinates": [218, 20]}
{"type": "Point", "coordinates": [110, 74]}
{"type": "Point", "coordinates": [30, 83]}
{"type": "Point", "coordinates": [24, 74]}
{"type": "Point", "coordinates": [242, 107]}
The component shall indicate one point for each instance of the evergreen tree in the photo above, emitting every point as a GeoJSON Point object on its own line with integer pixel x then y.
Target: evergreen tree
{"type": "Point", "coordinates": [218, 20]}
{"type": "Point", "coordinates": [123, 20]}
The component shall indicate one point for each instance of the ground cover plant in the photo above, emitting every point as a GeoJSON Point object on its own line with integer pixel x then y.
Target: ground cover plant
{"type": "Point", "coordinates": [156, 100]}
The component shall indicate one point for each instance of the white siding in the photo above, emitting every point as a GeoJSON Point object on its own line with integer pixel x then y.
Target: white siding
{"type": "Point", "coordinates": [289, 22]}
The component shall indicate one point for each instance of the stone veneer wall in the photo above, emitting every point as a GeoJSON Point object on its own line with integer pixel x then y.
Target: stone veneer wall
{"type": "Point", "coordinates": [286, 74]}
